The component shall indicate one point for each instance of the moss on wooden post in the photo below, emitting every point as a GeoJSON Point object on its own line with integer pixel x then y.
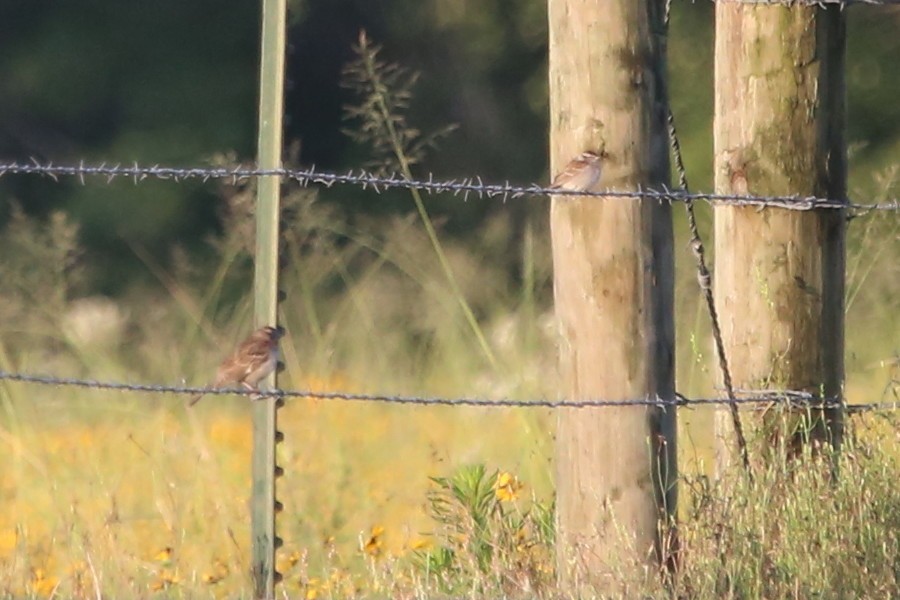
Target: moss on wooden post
{"type": "Point", "coordinates": [779, 130]}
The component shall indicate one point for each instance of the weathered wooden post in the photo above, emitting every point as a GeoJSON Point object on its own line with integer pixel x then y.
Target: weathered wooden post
{"type": "Point", "coordinates": [265, 433]}
{"type": "Point", "coordinates": [779, 130]}
{"type": "Point", "coordinates": [613, 284]}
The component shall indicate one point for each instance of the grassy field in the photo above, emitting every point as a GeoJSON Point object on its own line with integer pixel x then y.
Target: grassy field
{"type": "Point", "coordinates": [108, 494]}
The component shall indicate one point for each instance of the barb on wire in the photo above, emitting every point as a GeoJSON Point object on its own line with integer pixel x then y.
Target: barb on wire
{"type": "Point", "coordinates": [747, 398]}
{"type": "Point", "coordinates": [466, 188]}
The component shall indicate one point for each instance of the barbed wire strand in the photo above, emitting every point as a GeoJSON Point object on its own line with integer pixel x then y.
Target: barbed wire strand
{"type": "Point", "coordinates": [704, 278]}
{"type": "Point", "coordinates": [748, 397]}
{"type": "Point", "coordinates": [821, 3]}
{"type": "Point", "coordinates": [470, 187]}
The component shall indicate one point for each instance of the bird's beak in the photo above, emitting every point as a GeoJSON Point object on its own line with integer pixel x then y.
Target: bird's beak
{"type": "Point", "coordinates": [279, 332]}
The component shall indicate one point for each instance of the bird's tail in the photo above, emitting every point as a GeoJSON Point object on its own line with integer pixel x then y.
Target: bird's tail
{"type": "Point", "coordinates": [194, 400]}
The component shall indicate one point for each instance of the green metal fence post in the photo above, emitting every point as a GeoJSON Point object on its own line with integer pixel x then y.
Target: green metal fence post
{"type": "Point", "coordinates": [265, 433]}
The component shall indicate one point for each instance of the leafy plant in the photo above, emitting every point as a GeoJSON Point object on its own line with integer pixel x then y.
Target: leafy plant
{"type": "Point", "coordinates": [485, 539]}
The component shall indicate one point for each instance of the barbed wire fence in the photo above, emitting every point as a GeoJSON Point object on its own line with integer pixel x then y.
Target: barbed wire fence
{"type": "Point", "coordinates": [466, 188]}
{"type": "Point", "coordinates": [476, 188]}
{"type": "Point", "coordinates": [752, 398]}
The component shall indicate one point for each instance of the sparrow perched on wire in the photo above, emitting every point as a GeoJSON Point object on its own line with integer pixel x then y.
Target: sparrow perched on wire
{"type": "Point", "coordinates": [253, 361]}
{"type": "Point", "coordinates": [581, 174]}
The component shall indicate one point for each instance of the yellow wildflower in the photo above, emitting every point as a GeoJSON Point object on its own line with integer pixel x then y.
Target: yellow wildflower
{"type": "Point", "coordinates": [312, 587]}
{"type": "Point", "coordinates": [285, 563]}
{"type": "Point", "coordinates": [211, 578]}
{"type": "Point", "coordinates": [507, 487]}
{"type": "Point", "coordinates": [421, 544]}
{"type": "Point", "coordinates": [218, 573]}
{"type": "Point", "coordinates": [164, 555]}
{"type": "Point", "coordinates": [375, 544]}
{"type": "Point", "coordinates": [164, 580]}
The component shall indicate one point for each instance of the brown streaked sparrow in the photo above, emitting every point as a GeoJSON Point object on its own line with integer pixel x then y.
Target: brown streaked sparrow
{"type": "Point", "coordinates": [581, 174]}
{"type": "Point", "coordinates": [253, 361]}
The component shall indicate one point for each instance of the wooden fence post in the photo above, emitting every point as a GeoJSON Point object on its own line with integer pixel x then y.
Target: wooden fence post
{"type": "Point", "coordinates": [779, 130]}
{"type": "Point", "coordinates": [613, 286]}
{"type": "Point", "coordinates": [265, 433]}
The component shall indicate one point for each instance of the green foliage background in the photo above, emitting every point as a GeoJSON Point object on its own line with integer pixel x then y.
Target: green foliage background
{"type": "Point", "coordinates": [175, 83]}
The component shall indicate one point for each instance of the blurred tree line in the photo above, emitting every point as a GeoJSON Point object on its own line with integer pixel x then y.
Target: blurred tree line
{"type": "Point", "coordinates": [175, 83]}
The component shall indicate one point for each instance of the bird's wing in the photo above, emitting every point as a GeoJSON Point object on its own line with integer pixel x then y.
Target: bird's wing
{"type": "Point", "coordinates": [249, 356]}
